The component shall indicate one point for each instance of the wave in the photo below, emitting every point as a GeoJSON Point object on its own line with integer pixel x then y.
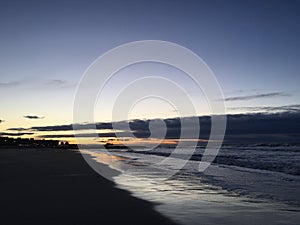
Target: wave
{"type": "Point", "coordinates": [277, 159]}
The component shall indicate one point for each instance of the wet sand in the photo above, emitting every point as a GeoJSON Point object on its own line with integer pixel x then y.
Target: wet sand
{"type": "Point", "coordinates": [56, 186]}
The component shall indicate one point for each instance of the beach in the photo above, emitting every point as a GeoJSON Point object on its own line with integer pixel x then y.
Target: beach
{"type": "Point", "coordinates": [56, 186]}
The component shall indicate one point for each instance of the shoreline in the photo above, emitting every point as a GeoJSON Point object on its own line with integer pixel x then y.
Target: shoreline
{"type": "Point", "coordinates": [56, 186]}
{"type": "Point", "coordinates": [215, 197]}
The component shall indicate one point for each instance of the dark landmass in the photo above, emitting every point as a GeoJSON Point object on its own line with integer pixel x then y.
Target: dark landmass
{"type": "Point", "coordinates": [56, 186]}
{"type": "Point", "coordinates": [31, 142]}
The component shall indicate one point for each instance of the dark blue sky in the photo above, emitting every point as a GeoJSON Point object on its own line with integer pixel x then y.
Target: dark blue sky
{"type": "Point", "coordinates": [252, 47]}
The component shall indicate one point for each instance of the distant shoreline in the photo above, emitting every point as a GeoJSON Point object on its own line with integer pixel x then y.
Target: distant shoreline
{"type": "Point", "coordinates": [35, 143]}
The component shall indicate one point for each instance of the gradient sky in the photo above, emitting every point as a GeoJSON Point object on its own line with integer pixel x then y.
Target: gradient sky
{"type": "Point", "coordinates": [45, 47]}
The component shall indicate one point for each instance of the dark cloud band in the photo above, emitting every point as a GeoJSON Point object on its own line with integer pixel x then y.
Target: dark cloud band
{"type": "Point", "coordinates": [33, 117]}
{"type": "Point", "coordinates": [256, 96]}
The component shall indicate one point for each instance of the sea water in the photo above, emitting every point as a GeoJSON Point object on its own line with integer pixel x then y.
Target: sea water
{"type": "Point", "coordinates": [244, 185]}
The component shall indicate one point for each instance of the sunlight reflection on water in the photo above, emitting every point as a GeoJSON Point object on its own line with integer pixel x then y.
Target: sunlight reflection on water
{"type": "Point", "coordinates": [192, 200]}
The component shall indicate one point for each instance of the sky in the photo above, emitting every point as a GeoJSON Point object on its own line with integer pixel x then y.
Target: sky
{"type": "Point", "coordinates": [46, 46]}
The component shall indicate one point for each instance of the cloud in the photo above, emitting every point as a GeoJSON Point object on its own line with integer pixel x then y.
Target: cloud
{"type": "Point", "coordinates": [33, 117]}
{"type": "Point", "coordinates": [59, 83]}
{"type": "Point", "coordinates": [56, 136]}
{"type": "Point", "coordinates": [15, 134]}
{"type": "Point", "coordinates": [86, 126]}
{"type": "Point", "coordinates": [263, 123]}
{"type": "Point", "coordinates": [249, 126]}
{"type": "Point", "coordinates": [17, 129]}
{"type": "Point", "coordinates": [9, 84]}
{"type": "Point", "coordinates": [283, 127]}
{"type": "Point", "coordinates": [35, 82]}
{"type": "Point", "coordinates": [256, 96]}
{"type": "Point", "coordinates": [263, 127]}
{"type": "Point", "coordinates": [53, 128]}
{"type": "Point", "coordinates": [83, 135]}
{"type": "Point", "coordinates": [274, 109]}
{"type": "Point", "coordinates": [2, 121]}
{"type": "Point", "coordinates": [56, 82]}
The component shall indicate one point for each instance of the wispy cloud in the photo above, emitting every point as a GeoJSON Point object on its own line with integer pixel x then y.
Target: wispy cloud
{"type": "Point", "coordinates": [33, 117]}
{"type": "Point", "coordinates": [56, 136]}
{"type": "Point", "coordinates": [285, 108]}
{"type": "Point", "coordinates": [15, 134]}
{"type": "Point", "coordinates": [59, 83]}
{"type": "Point", "coordinates": [257, 96]}
{"type": "Point", "coordinates": [35, 82]}
{"type": "Point", "coordinates": [87, 126]}
{"type": "Point", "coordinates": [53, 128]}
{"type": "Point", "coordinates": [83, 135]}
{"type": "Point", "coordinates": [17, 129]}
{"type": "Point", "coordinates": [9, 84]}
{"type": "Point", "coordinates": [55, 82]}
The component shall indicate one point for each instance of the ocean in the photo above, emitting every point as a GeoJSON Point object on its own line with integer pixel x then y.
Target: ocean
{"type": "Point", "coordinates": [245, 185]}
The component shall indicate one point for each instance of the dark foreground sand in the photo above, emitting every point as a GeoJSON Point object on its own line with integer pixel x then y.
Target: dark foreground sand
{"type": "Point", "coordinates": [46, 186]}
